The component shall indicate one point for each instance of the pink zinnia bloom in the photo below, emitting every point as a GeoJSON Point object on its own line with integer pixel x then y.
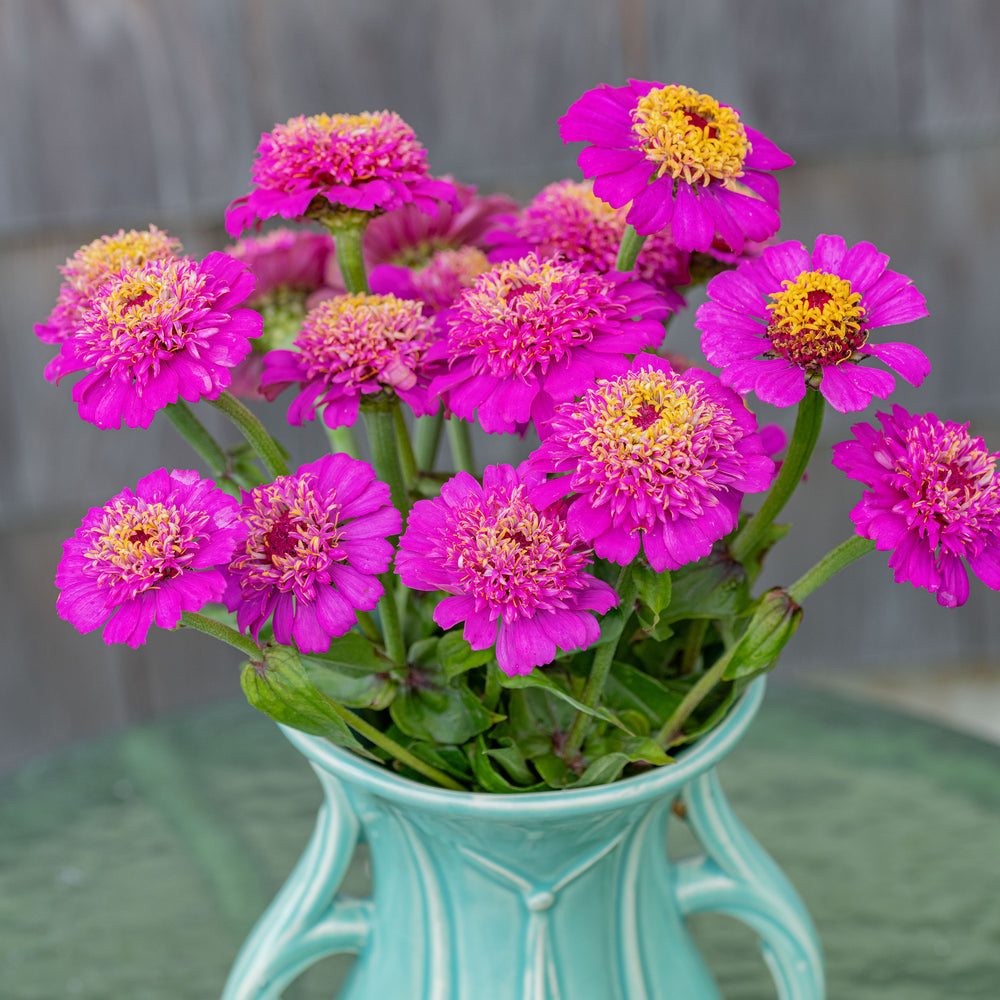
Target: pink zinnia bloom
{"type": "Point", "coordinates": [368, 162]}
{"type": "Point", "coordinates": [165, 330]}
{"type": "Point", "coordinates": [790, 319]}
{"type": "Point", "coordinates": [438, 283]}
{"type": "Point", "coordinates": [316, 540]}
{"type": "Point", "coordinates": [92, 265]}
{"type": "Point", "coordinates": [653, 457]}
{"type": "Point", "coordinates": [351, 346]}
{"type": "Point", "coordinates": [409, 237]}
{"type": "Point", "coordinates": [515, 573]}
{"type": "Point", "coordinates": [147, 556]}
{"type": "Point", "coordinates": [933, 500]}
{"type": "Point", "coordinates": [290, 267]}
{"type": "Point", "coordinates": [567, 220]}
{"type": "Point", "coordinates": [532, 333]}
{"type": "Point", "coordinates": [682, 159]}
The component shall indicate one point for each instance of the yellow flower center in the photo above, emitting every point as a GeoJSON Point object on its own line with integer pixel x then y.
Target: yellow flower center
{"type": "Point", "coordinates": [816, 320]}
{"type": "Point", "coordinates": [690, 136]}
{"type": "Point", "coordinates": [93, 263]}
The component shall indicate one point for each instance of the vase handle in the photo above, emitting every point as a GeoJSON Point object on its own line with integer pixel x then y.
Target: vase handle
{"type": "Point", "coordinates": [738, 878]}
{"type": "Point", "coordinates": [308, 919]}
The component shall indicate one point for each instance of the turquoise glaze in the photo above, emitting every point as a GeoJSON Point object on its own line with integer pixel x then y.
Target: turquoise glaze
{"type": "Point", "coordinates": [565, 895]}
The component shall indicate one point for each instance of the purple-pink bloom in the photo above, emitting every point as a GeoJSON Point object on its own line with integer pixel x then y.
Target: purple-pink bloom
{"type": "Point", "coordinates": [681, 159]}
{"type": "Point", "coordinates": [148, 555]}
{"type": "Point", "coordinates": [368, 162]}
{"type": "Point", "coordinates": [315, 541]}
{"type": "Point", "coordinates": [290, 267]}
{"type": "Point", "coordinates": [514, 571]}
{"type": "Point", "coordinates": [437, 283]}
{"type": "Point", "coordinates": [351, 346]}
{"type": "Point", "coordinates": [152, 334]}
{"type": "Point", "coordinates": [533, 332]}
{"type": "Point", "coordinates": [654, 457]}
{"type": "Point", "coordinates": [92, 265]}
{"type": "Point", "coordinates": [791, 319]}
{"type": "Point", "coordinates": [568, 221]}
{"type": "Point", "coordinates": [933, 500]}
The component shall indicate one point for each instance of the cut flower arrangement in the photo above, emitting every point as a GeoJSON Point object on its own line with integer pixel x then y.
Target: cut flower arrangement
{"type": "Point", "coordinates": [564, 622]}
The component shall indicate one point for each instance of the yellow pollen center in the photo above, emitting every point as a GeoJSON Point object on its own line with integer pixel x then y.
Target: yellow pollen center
{"type": "Point", "coordinates": [816, 320]}
{"type": "Point", "coordinates": [690, 136]}
{"type": "Point", "coordinates": [92, 263]}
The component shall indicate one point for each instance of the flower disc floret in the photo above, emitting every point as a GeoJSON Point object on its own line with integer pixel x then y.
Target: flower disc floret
{"type": "Point", "coordinates": [148, 555]}
{"type": "Point", "coordinates": [677, 158]}
{"type": "Point", "coordinates": [531, 332]}
{"type": "Point", "coordinates": [791, 319]}
{"type": "Point", "coordinates": [365, 162]}
{"type": "Point", "coordinates": [157, 332]}
{"type": "Point", "coordinates": [350, 346]}
{"type": "Point", "coordinates": [933, 500]}
{"type": "Point", "coordinates": [654, 458]}
{"type": "Point", "coordinates": [92, 265]}
{"type": "Point", "coordinates": [515, 572]}
{"type": "Point", "coordinates": [315, 541]}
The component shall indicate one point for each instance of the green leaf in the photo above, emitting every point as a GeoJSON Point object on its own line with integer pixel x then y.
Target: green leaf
{"type": "Point", "coordinates": [630, 689]}
{"type": "Point", "coordinates": [354, 654]}
{"type": "Point", "coordinates": [554, 771]}
{"type": "Point", "coordinates": [281, 689]}
{"type": "Point", "coordinates": [605, 769]}
{"type": "Point", "coordinates": [349, 686]}
{"type": "Point", "coordinates": [653, 589]}
{"type": "Point", "coordinates": [449, 759]}
{"type": "Point", "coordinates": [540, 679]}
{"type": "Point", "coordinates": [440, 713]}
{"type": "Point", "coordinates": [713, 587]}
{"type": "Point", "coordinates": [490, 778]}
{"type": "Point", "coordinates": [775, 620]}
{"type": "Point", "coordinates": [535, 716]}
{"type": "Point", "coordinates": [457, 656]}
{"type": "Point", "coordinates": [510, 758]}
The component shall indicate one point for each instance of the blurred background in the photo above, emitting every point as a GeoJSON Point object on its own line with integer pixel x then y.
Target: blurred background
{"type": "Point", "coordinates": [122, 113]}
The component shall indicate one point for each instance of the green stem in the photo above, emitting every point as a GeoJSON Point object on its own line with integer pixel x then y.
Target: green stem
{"type": "Point", "coordinates": [672, 727]}
{"type": "Point", "coordinates": [224, 633]}
{"type": "Point", "coordinates": [629, 249]}
{"type": "Point", "coordinates": [692, 647]}
{"type": "Point", "coordinates": [342, 440]}
{"type": "Point", "coordinates": [461, 445]}
{"type": "Point", "coordinates": [368, 626]}
{"type": "Point", "coordinates": [407, 462]}
{"type": "Point", "coordinates": [428, 436]}
{"type": "Point", "coordinates": [194, 432]}
{"type": "Point", "coordinates": [380, 422]}
{"type": "Point", "coordinates": [604, 656]}
{"type": "Point", "coordinates": [388, 613]}
{"type": "Point", "coordinates": [807, 425]}
{"type": "Point", "coordinates": [394, 749]}
{"type": "Point", "coordinates": [833, 562]}
{"type": "Point", "coordinates": [253, 430]}
{"type": "Point", "coordinates": [350, 259]}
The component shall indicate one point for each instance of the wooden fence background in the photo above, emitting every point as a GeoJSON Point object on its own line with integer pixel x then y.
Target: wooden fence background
{"type": "Point", "coordinates": [125, 112]}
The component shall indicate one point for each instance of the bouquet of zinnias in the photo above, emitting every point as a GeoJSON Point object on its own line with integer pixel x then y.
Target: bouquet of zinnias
{"type": "Point", "coordinates": [553, 624]}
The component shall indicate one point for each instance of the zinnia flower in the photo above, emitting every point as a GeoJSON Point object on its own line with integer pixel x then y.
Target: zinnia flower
{"type": "Point", "coordinates": [790, 319]}
{"type": "Point", "coordinates": [438, 283]}
{"type": "Point", "coordinates": [515, 573]}
{"type": "Point", "coordinates": [290, 267]}
{"type": "Point", "coordinates": [368, 162]}
{"type": "Point", "coordinates": [654, 457]}
{"type": "Point", "coordinates": [532, 333]}
{"type": "Point", "coordinates": [682, 159]}
{"type": "Point", "coordinates": [409, 237]}
{"type": "Point", "coordinates": [568, 221]}
{"type": "Point", "coordinates": [351, 346]}
{"type": "Point", "coordinates": [92, 265]}
{"type": "Point", "coordinates": [316, 540]}
{"type": "Point", "coordinates": [147, 556]}
{"type": "Point", "coordinates": [933, 500]}
{"type": "Point", "coordinates": [151, 334]}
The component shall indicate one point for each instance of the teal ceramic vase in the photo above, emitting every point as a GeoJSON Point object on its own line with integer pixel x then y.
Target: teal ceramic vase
{"type": "Point", "coordinates": [544, 896]}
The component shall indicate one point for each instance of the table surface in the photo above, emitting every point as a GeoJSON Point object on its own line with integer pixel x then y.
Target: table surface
{"type": "Point", "coordinates": [134, 867]}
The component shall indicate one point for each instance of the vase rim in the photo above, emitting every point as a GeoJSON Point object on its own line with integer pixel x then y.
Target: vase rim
{"type": "Point", "coordinates": [690, 762]}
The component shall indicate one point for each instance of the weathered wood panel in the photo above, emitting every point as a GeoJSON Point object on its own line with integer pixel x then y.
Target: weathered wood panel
{"type": "Point", "coordinates": [122, 112]}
